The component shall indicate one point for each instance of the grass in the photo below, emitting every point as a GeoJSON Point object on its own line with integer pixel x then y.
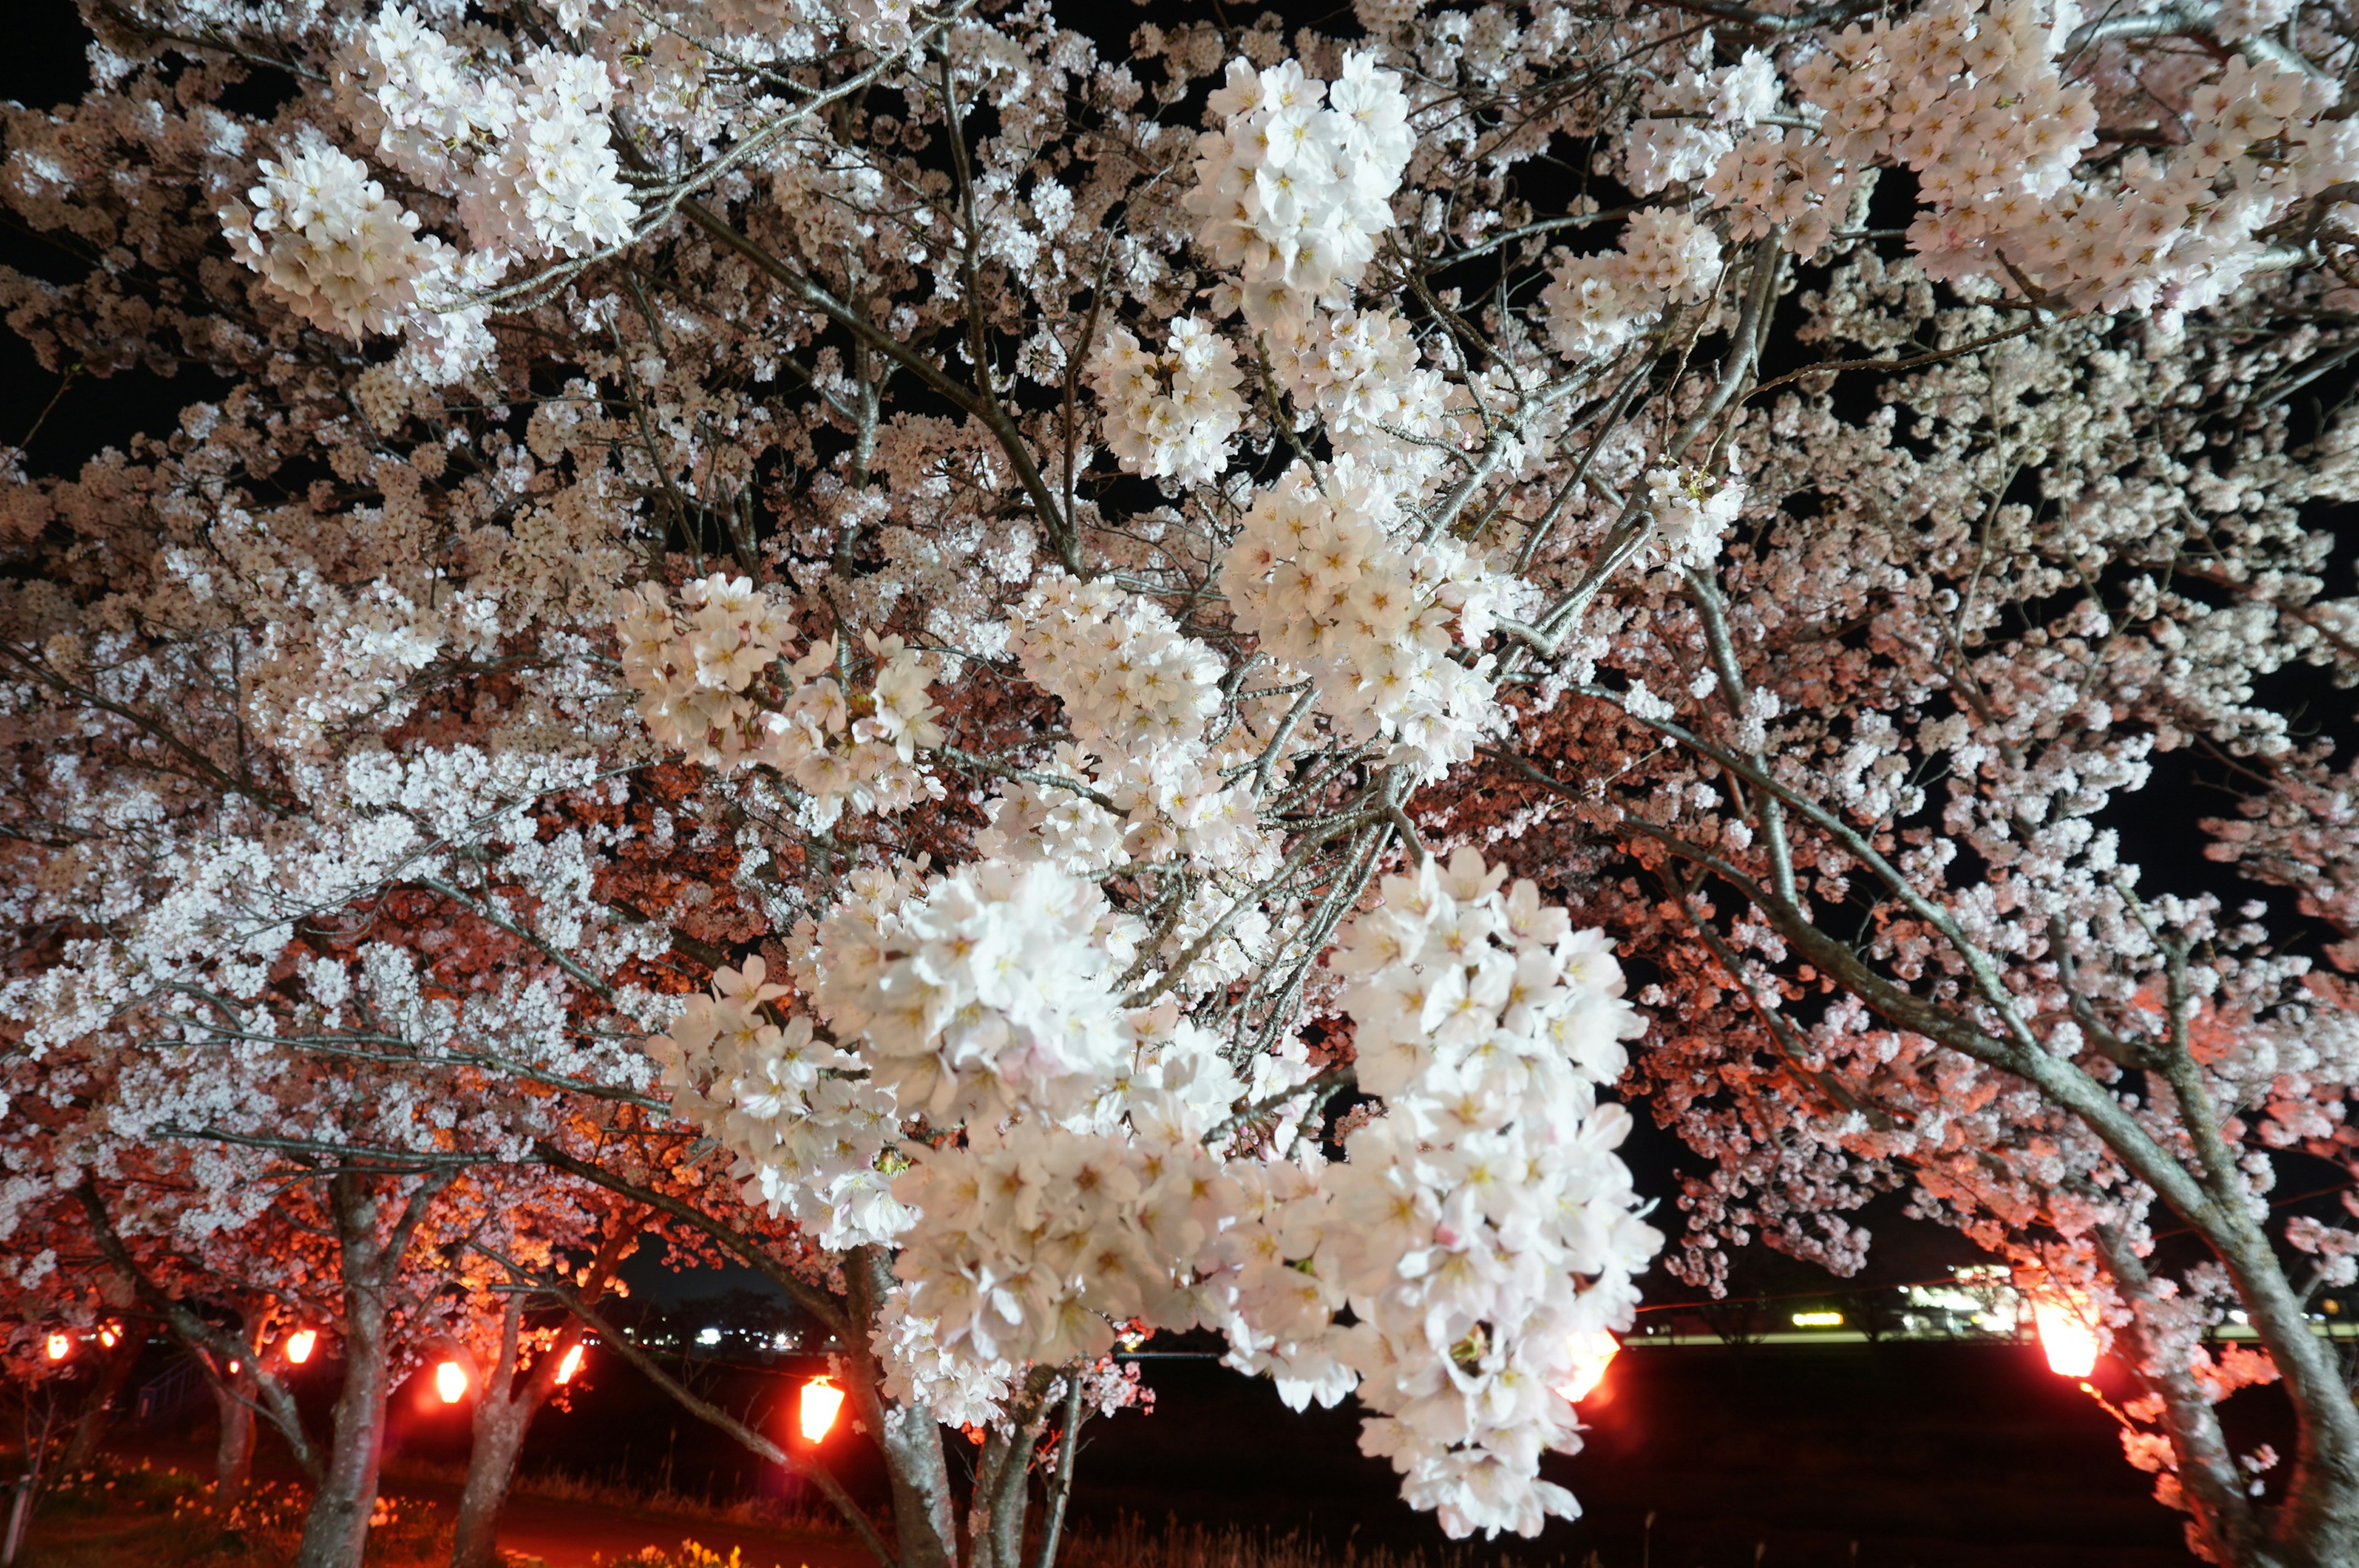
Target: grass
{"type": "Point", "coordinates": [1132, 1543]}
{"type": "Point", "coordinates": [160, 1517]}
{"type": "Point", "coordinates": [809, 1517]}
{"type": "Point", "coordinates": [108, 1518]}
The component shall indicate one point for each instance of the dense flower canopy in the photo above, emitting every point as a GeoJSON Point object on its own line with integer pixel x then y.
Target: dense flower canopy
{"type": "Point", "coordinates": [1088, 655]}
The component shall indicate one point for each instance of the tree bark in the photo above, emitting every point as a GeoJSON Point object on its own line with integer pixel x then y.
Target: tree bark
{"type": "Point", "coordinates": [1069, 1443]}
{"type": "Point", "coordinates": [1003, 1480]}
{"type": "Point", "coordinates": [506, 1411]}
{"type": "Point", "coordinates": [336, 1533]}
{"type": "Point", "coordinates": [501, 1424]}
{"type": "Point", "coordinates": [233, 1446]}
{"type": "Point", "coordinates": [924, 1525]}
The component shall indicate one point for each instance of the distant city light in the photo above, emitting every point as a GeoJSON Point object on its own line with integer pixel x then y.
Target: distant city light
{"type": "Point", "coordinates": [708, 1337]}
{"type": "Point", "coordinates": [450, 1382]}
{"type": "Point", "coordinates": [59, 1347]}
{"type": "Point", "coordinates": [2068, 1331]}
{"type": "Point", "coordinates": [1591, 1354]}
{"type": "Point", "coordinates": [779, 1341]}
{"type": "Point", "coordinates": [820, 1402]}
{"type": "Point", "coordinates": [300, 1344]}
{"type": "Point", "coordinates": [1818, 1320]}
{"type": "Point", "coordinates": [571, 1365]}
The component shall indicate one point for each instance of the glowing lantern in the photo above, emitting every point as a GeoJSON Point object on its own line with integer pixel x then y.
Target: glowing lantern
{"type": "Point", "coordinates": [234, 1367]}
{"type": "Point", "coordinates": [1591, 1354]}
{"type": "Point", "coordinates": [571, 1365]}
{"type": "Point", "coordinates": [2068, 1331]}
{"type": "Point", "coordinates": [821, 1399]}
{"type": "Point", "coordinates": [300, 1344]}
{"type": "Point", "coordinates": [109, 1335]}
{"type": "Point", "coordinates": [450, 1382]}
{"type": "Point", "coordinates": [59, 1347]}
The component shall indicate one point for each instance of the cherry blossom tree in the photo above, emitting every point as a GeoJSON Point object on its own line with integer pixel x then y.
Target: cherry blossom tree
{"type": "Point", "coordinates": [1076, 651]}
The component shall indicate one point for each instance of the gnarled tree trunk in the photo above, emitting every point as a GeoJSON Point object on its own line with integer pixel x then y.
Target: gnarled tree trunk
{"type": "Point", "coordinates": [504, 1413]}
{"type": "Point", "coordinates": [336, 1533]}
{"type": "Point", "coordinates": [233, 1446]}
{"type": "Point", "coordinates": [500, 1425]}
{"type": "Point", "coordinates": [924, 1524]}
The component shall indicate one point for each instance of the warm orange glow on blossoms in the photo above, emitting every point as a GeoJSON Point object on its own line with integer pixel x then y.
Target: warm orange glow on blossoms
{"type": "Point", "coordinates": [821, 1399]}
{"type": "Point", "coordinates": [450, 1382]}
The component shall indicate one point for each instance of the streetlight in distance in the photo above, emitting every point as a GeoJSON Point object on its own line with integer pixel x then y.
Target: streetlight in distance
{"type": "Point", "coordinates": [450, 1382]}
{"type": "Point", "coordinates": [300, 1344]}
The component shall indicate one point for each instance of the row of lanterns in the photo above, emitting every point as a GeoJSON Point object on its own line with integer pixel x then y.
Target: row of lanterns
{"type": "Point", "coordinates": [2064, 1320]}
{"type": "Point", "coordinates": [820, 1402]}
{"type": "Point", "coordinates": [451, 1380]}
{"type": "Point", "coordinates": [58, 1346]}
{"type": "Point", "coordinates": [816, 1409]}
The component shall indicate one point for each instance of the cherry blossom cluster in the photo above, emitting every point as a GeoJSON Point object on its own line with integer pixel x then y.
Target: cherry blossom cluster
{"type": "Point", "coordinates": [694, 668]}
{"type": "Point", "coordinates": [1482, 1228]}
{"type": "Point", "coordinates": [1595, 304]}
{"type": "Point", "coordinates": [1690, 119]}
{"type": "Point", "coordinates": [1130, 680]}
{"type": "Point", "coordinates": [1487, 1228]}
{"type": "Point", "coordinates": [529, 155]}
{"type": "Point", "coordinates": [1969, 96]}
{"type": "Point", "coordinates": [1049, 1239]}
{"type": "Point", "coordinates": [808, 1131]}
{"type": "Point", "coordinates": [1174, 414]}
{"type": "Point", "coordinates": [1693, 512]}
{"type": "Point", "coordinates": [1357, 373]}
{"type": "Point", "coordinates": [330, 243]}
{"type": "Point", "coordinates": [1774, 182]}
{"type": "Point", "coordinates": [987, 997]}
{"type": "Point", "coordinates": [1293, 191]}
{"type": "Point", "coordinates": [1316, 573]}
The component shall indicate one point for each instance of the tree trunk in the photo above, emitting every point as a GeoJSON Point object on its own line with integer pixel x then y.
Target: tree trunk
{"type": "Point", "coordinates": [1068, 1445]}
{"type": "Point", "coordinates": [925, 1526]}
{"type": "Point", "coordinates": [89, 1429]}
{"type": "Point", "coordinates": [1003, 1492]}
{"type": "Point", "coordinates": [2317, 1523]}
{"type": "Point", "coordinates": [500, 1427]}
{"type": "Point", "coordinates": [506, 1411]}
{"type": "Point", "coordinates": [233, 1448]}
{"type": "Point", "coordinates": [336, 1533]}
